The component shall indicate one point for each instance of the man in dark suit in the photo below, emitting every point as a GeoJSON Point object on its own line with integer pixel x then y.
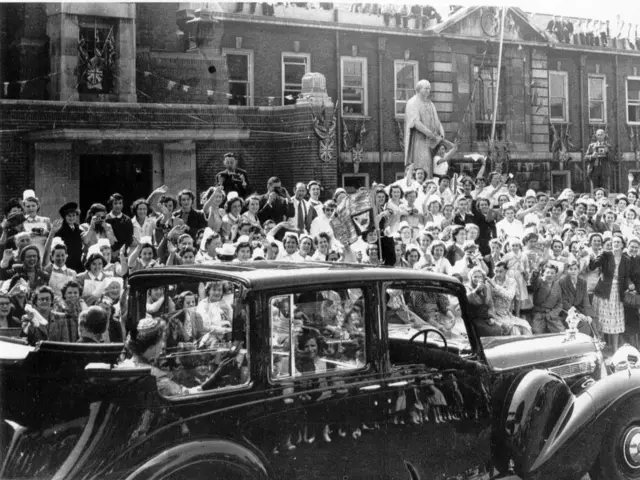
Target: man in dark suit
{"type": "Point", "coordinates": [92, 324]}
{"type": "Point", "coordinates": [462, 216]}
{"type": "Point", "coordinates": [233, 179]}
{"type": "Point", "coordinates": [276, 204]}
{"type": "Point", "coordinates": [304, 212]}
{"type": "Point", "coordinates": [120, 223]}
{"type": "Point", "coordinates": [573, 289]}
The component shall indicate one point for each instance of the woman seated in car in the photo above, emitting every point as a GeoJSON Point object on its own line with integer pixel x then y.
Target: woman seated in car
{"type": "Point", "coordinates": [146, 345]}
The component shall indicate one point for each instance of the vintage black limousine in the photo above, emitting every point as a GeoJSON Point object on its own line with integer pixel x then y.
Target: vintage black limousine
{"type": "Point", "coordinates": [315, 371]}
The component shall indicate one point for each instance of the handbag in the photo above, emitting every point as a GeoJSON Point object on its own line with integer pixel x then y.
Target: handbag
{"type": "Point", "coordinates": [631, 299]}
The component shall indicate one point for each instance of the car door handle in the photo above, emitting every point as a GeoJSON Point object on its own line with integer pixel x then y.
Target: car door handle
{"type": "Point", "coordinates": [401, 383]}
{"type": "Point", "coordinates": [368, 388]}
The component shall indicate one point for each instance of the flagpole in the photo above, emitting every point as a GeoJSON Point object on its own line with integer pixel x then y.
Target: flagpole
{"type": "Point", "coordinates": [497, 93]}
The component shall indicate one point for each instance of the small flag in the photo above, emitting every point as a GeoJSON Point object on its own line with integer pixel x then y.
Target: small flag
{"type": "Point", "coordinates": [6, 88]}
{"type": "Point", "coordinates": [271, 100]}
{"type": "Point", "coordinates": [22, 84]}
{"type": "Point", "coordinates": [209, 93]}
{"type": "Point", "coordinates": [147, 74]}
{"type": "Point", "coordinates": [228, 95]}
{"type": "Point", "coordinates": [171, 84]}
{"type": "Point", "coordinates": [289, 97]}
{"type": "Point", "coordinates": [186, 88]}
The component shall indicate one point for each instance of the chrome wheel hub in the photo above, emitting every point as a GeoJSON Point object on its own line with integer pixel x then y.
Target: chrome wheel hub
{"type": "Point", "coordinates": [631, 447]}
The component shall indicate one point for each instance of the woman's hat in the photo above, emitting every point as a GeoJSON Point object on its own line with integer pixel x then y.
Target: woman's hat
{"type": "Point", "coordinates": [148, 327]}
{"type": "Point", "coordinates": [621, 196]}
{"type": "Point", "coordinates": [258, 254]}
{"type": "Point", "coordinates": [530, 193]}
{"type": "Point", "coordinates": [145, 239]}
{"type": "Point", "coordinates": [68, 208]}
{"type": "Point", "coordinates": [509, 206]}
{"type": "Point", "coordinates": [227, 250]}
{"type": "Point", "coordinates": [104, 242]}
{"type": "Point", "coordinates": [28, 194]}
{"type": "Point", "coordinates": [402, 225]}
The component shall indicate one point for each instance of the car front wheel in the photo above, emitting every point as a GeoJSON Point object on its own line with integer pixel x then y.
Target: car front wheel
{"type": "Point", "coordinates": [619, 457]}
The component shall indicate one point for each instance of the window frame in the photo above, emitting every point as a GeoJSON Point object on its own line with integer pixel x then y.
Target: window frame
{"type": "Point", "coordinates": [306, 56]}
{"type": "Point", "coordinates": [368, 295]}
{"type": "Point", "coordinates": [250, 67]}
{"type": "Point", "coordinates": [137, 304]}
{"type": "Point", "coordinates": [473, 342]}
{"type": "Point", "coordinates": [416, 69]}
{"type": "Point", "coordinates": [365, 86]}
{"type": "Point", "coordinates": [566, 174]}
{"type": "Point", "coordinates": [565, 76]}
{"type": "Point", "coordinates": [364, 176]}
{"type": "Point", "coordinates": [603, 79]}
{"type": "Point", "coordinates": [635, 102]}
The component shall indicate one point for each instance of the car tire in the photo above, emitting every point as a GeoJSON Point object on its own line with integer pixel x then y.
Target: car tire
{"type": "Point", "coordinates": [619, 457]}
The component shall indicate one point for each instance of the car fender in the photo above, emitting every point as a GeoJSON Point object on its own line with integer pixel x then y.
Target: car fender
{"type": "Point", "coordinates": [589, 416]}
{"type": "Point", "coordinates": [225, 451]}
{"type": "Point", "coordinates": [532, 407]}
{"type": "Point", "coordinates": [550, 433]}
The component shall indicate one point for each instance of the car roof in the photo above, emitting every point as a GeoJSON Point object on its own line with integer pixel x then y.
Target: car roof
{"type": "Point", "coordinates": [263, 275]}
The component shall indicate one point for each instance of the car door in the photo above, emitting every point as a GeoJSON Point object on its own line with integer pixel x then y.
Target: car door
{"type": "Point", "coordinates": [324, 379]}
{"type": "Point", "coordinates": [440, 423]}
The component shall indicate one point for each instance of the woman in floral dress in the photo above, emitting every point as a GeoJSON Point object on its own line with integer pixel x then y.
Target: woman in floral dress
{"type": "Point", "coordinates": [518, 269]}
{"type": "Point", "coordinates": [504, 291]}
{"type": "Point", "coordinates": [617, 269]}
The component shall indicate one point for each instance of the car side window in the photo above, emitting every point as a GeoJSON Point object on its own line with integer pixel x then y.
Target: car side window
{"type": "Point", "coordinates": [317, 332]}
{"type": "Point", "coordinates": [205, 336]}
{"type": "Point", "coordinates": [411, 309]}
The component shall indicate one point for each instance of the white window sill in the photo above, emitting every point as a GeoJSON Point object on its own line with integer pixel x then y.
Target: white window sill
{"type": "Point", "coordinates": [352, 116]}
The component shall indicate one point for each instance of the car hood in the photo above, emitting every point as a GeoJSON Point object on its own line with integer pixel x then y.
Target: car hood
{"type": "Point", "coordinates": [504, 353]}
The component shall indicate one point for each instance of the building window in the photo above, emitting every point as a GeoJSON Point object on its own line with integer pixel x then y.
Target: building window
{"type": "Point", "coordinates": [352, 182]}
{"type": "Point", "coordinates": [96, 56]}
{"type": "Point", "coordinates": [294, 67]}
{"type": "Point", "coordinates": [560, 180]}
{"type": "Point", "coordinates": [240, 68]}
{"type": "Point", "coordinates": [405, 79]}
{"type": "Point", "coordinates": [633, 100]}
{"type": "Point", "coordinates": [597, 99]}
{"type": "Point", "coordinates": [486, 85]}
{"type": "Point", "coordinates": [354, 86]}
{"type": "Point", "coordinates": [559, 96]}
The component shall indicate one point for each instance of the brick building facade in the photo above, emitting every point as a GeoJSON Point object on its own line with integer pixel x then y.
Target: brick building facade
{"type": "Point", "coordinates": [186, 85]}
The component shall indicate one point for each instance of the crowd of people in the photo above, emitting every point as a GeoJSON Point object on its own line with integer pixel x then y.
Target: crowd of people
{"type": "Point", "coordinates": [525, 257]}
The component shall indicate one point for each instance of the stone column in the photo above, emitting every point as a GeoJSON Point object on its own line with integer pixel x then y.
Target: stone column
{"type": "Point", "coordinates": [180, 165]}
{"type": "Point", "coordinates": [63, 31]}
{"type": "Point", "coordinates": [57, 175]}
{"type": "Point", "coordinates": [127, 60]}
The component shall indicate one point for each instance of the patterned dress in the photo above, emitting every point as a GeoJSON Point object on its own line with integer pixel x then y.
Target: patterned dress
{"type": "Point", "coordinates": [502, 304]}
{"type": "Point", "coordinates": [518, 270]}
{"type": "Point", "coordinates": [610, 311]}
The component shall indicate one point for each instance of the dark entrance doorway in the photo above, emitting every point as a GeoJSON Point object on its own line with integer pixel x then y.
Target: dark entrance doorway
{"type": "Point", "coordinates": [103, 175]}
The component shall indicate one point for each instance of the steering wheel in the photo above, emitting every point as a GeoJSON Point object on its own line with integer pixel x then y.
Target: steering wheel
{"type": "Point", "coordinates": [227, 360]}
{"type": "Point", "coordinates": [425, 332]}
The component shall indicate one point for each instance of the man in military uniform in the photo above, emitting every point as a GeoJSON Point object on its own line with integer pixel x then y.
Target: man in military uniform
{"type": "Point", "coordinates": [233, 179]}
